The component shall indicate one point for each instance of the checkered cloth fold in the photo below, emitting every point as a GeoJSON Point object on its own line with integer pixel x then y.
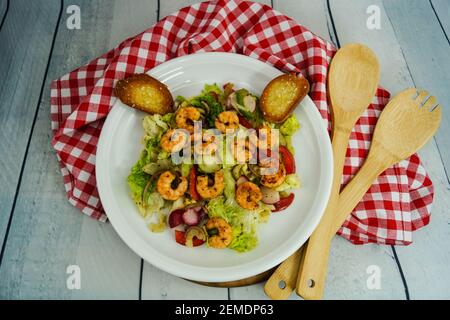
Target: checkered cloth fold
{"type": "Point", "coordinates": [398, 203]}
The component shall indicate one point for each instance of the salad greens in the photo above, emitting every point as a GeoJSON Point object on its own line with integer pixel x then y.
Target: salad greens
{"type": "Point", "coordinates": [153, 160]}
{"type": "Point", "coordinates": [287, 129]}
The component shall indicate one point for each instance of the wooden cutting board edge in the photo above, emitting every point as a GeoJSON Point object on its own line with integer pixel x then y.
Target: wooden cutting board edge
{"type": "Point", "coordinates": [240, 283]}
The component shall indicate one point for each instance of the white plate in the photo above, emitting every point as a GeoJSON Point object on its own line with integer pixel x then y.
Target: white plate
{"type": "Point", "coordinates": [119, 148]}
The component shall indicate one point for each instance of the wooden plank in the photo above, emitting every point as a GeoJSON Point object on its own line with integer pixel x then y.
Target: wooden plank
{"type": "Point", "coordinates": [442, 10]}
{"type": "Point", "coordinates": [171, 6]}
{"type": "Point", "coordinates": [168, 7]}
{"type": "Point", "coordinates": [425, 263]}
{"type": "Point", "coordinates": [394, 70]}
{"type": "Point", "coordinates": [120, 263]}
{"type": "Point", "coordinates": [427, 53]}
{"type": "Point", "coordinates": [347, 274]}
{"type": "Point", "coordinates": [396, 77]}
{"type": "Point", "coordinates": [25, 38]}
{"type": "Point", "coordinates": [311, 14]}
{"type": "Point", "coordinates": [47, 233]}
{"type": "Point", "coordinates": [159, 285]}
{"type": "Point", "coordinates": [3, 11]}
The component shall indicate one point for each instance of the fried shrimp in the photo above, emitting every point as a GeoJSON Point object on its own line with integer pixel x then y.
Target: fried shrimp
{"type": "Point", "coordinates": [174, 140]}
{"type": "Point", "coordinates": [171, 186]}
{"type": "Point", "coordinates": [210, 188]}
{"type": "Point", "coordinates": [244, 149]}
{"type": "Point", "coordinates": [227, 120]}
{"type": "Point", "coordinates": [185, 118]}
{"type": "Point", "coordinates": [276, 179]}
{"type": "Point", "coordinates": [209, 144]}
{"type": "Point", "coordinates": [247, 195]}
{"type": "Point", "coordinates": [268, 138]}
{"type": "Point", "coordinates": [220, 232]}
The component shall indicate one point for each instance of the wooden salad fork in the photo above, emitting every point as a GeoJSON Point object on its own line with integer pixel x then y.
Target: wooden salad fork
{"type": "Point", "coordinates": [406, 124]}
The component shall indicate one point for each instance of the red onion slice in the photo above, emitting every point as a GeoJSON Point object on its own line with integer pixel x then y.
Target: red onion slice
{"type": "Point", "coordinates": [270, 196]}
{"type": "Point", "coordinates": [176, 218]}
{"type": "Point", "coordinates": [191, 217]}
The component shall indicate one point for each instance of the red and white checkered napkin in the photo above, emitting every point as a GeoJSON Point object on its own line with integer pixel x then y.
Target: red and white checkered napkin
{"type": "Point", "coordinates": [397, 204]}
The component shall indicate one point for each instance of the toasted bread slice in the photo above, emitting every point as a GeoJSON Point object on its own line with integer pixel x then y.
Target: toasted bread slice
{"type": "Point", "coordinates": [140, 91]}
{"type": "Point", "coordinates": [281, 96]}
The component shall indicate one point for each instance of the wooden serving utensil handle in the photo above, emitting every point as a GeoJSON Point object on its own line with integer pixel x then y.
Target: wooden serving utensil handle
{"type": "Point", "coordinates": [354, 191]}
{"type": "Point", "coordinates": [312, 273]}
{"type": "Point", "coordinates": [349, 198]}
{"type": "Point", "coordinates": [283, 281]}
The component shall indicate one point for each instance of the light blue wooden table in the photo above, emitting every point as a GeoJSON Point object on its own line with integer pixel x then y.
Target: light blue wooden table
{"type": "Point", "coordinates": [41, 234]}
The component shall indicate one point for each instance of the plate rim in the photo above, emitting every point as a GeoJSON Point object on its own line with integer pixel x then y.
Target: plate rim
{"type": "Point", "coordinates": [204, 273]}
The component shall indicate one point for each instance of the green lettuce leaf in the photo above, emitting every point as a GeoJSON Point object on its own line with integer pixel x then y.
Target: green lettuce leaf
{"type": "Point", "coordinates": [242, 222]}
{"type": "Point", "coordinates": [215, 108]}
{"type": "Point", "coordinates": [292, 181]}
{"type": "Point", "coordinates": [212, 88]}
{"type": "Point", "coordinates": [137, 180]}
{"type": "Point", "coordinates": [290, 126]}
{"type": "Point", "coordinates": [230, 184]}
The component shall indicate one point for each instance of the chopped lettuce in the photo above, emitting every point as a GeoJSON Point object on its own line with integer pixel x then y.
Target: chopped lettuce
{"type": "Point", "coordinates": [215, 108]}
{"type": "Point", "coordinates": [211, 102]}
{"type": "Point", "coordinates": [244, 170]}
{"type": "Point", "coordinates": [177, 204]}
{"type": "Point", "coordinates": [243, 222]}
{"type": "Point", "coordinates": [180, 99]}
{"type": "Point", "coordinates": [240, 95]}
{"type": "Point", "coordinates": [186, 169]}
{"type": "Point", "coordinates": [292, 181]}
{"type": "Point", "coordinates": [225, 154]}
{"type": "Point", "coordinates": [169, 119]}
{"type": "Point", "coordinates": [287, 130]}
{"type": "Point", "coordinates": [155, 125]}
{"type": "Point", "coordinates": [290, 126]}
{"type": "Point", "coordinates": [243, 241]}
{"type": "Point", "coordinates": [152, 158]}
{"type": "Point", "coordinates": [230, 184]}
{"type": "Point", "coordinates": [137, 180]}
{"type": "Point", "coordinates": [209, 164]}
{"type": "Point", "coordinates": [212, 88]}
{"type": "Point", "coordinates": [256, 118]}
{"type": "Point", "coordinates": [211, 95]}
{"type": "Point", "coordinates": [159, 226]}
{"type": "Point", "coordinates": [162, 155]}
{"type": "Point", "coordinates": [155, 202]}
{"type": "Point", "coordinates": [155, 167]}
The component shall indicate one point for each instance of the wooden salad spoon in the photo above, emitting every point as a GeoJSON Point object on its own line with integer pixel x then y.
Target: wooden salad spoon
{"type": "Point", "coordinates": [353, 80]}
{"type": "Point", "coordinates": [394, 139]}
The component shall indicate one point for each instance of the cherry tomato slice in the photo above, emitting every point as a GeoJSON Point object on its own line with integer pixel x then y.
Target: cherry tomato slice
{"type": "Point", "coordinates": [193, 184]}
{"type": "Point", "coordinates": [244, 122]}
{"type": "Point", "coordinates": [197, 242]}
{"type": "Point", "coordinates": [288, 159]}
{"type": "Point", "coordinates": [284, 203]}
{"type": "Point", "coordinates": [180, 237]}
